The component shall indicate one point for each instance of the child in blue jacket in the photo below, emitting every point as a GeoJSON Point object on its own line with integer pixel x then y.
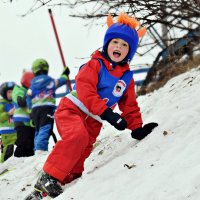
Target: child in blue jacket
{"type": "Point", "coordinates": [42, 95]}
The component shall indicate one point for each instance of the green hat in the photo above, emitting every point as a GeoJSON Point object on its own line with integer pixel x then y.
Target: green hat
{"type": "Point", "coordinates": [40, 65]}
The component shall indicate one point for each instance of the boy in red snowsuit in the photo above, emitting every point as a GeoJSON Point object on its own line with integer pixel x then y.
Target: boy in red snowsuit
{"type": "Point", "coordinates": [101, 84]}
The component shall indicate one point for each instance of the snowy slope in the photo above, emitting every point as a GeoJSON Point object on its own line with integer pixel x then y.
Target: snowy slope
{"type": "Point", "coordinates": [164, 166]}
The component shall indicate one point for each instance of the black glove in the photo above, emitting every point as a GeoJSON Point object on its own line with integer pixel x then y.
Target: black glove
{"type": "Point", "coordinates": [21, 101]}
{"type": "Point", "coordinates": [142, 132]}
{"type": "Point", "coordinates": [66, 71]}
{"type": "Point", "coordinates": [114, 119]}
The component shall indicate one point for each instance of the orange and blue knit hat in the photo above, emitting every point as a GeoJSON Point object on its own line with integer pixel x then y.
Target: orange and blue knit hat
{"type": "Point", "coordinates": [125, 29]}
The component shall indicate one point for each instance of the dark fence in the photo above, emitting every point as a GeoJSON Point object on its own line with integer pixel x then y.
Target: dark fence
{"type": "Point", "coordinates": [175, 51]}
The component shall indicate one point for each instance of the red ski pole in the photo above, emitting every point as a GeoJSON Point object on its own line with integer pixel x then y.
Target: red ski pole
{"type": "Point", "coordinates": [59, 47]}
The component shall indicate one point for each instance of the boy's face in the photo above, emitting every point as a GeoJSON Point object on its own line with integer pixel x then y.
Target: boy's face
{"type": "Point", "coordinates": [9, 95]}
{"type": "Point", "coordinates": [118, 49]}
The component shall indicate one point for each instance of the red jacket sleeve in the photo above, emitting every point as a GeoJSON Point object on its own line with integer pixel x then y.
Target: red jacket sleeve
{"type": "Point", "coordinates": [86, 87]}
{"type": "Point", "coordinates": [130, 109]}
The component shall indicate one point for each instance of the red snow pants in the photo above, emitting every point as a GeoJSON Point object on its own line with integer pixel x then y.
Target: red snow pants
{"type": "Point", "coordinates": [78, 133]}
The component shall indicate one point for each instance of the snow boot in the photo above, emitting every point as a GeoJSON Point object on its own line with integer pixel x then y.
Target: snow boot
{"type": "Point", "coordinates": [48, 185]}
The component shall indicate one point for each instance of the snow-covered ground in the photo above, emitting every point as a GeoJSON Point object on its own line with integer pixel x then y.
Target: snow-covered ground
{"type": "Point", "coordinates": [163, 166]}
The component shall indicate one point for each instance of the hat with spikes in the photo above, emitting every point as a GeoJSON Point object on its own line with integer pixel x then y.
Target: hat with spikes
{"type": "Point", "coordinates": [125, 29]}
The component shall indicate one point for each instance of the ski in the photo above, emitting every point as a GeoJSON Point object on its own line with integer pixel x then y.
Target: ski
{"type": "Point", "coordinates": [37, 195]}
{"type": "Point", "coordinates": [4, 171]}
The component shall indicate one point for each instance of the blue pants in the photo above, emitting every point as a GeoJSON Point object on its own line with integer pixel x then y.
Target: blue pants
{"type": "Point", "coordinates": [42, 117]}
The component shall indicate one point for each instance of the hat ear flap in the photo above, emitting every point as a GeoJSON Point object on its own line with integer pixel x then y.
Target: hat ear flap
{"type": "Point", "coordinates": [109, 21]}
{"type": "Point", "coordinates": [141, 31]}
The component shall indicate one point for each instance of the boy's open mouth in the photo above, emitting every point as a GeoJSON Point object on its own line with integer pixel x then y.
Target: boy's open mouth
{"type": "Point", "coordinates": [116, 54]}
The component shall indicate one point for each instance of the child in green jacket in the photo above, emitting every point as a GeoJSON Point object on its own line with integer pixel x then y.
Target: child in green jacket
{"type": "Point", "coordinates": [21, 117]}
{"type": "Point", "coordinates": [7, 131]}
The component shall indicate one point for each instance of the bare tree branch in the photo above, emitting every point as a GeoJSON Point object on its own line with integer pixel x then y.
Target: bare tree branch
{"type": "Point", "coordinates": [178, 16]}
